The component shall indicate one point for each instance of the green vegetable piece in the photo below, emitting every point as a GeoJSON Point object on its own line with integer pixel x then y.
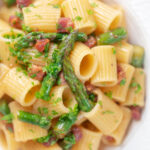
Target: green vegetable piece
{"type": "Point", "coordinates": [68, 142]}
{"type": "Point", "coordinates": [112, 37]}
{"type": "Point", "coordinates": [47, 138]}
{"type": "Point", "coordinates": [138, 56]}
{"type": "Point", "coordinates": [76, 86]}
{"type": "Point", "coordinates": [65, 122]}
{"type": "Point", "coordinates": [55, 66]}
{"type": "Point", "coordinates": [43, 122]}
{"type": "Point", "coordinates": [10, 2]}
{"type": "Point", "coordinates": [4, 109]}
{"type": "Point", "coordinates": [8, 118]}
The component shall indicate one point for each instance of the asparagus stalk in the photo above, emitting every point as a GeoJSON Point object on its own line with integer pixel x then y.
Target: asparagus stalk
{"type": "Point", "coordinates": [68, 142]}
{"type": "Point", "coordinates": [112, 37]}
{"type": "Point", "coordinates": [138, 56]}
{"type": "Point", "coordinates": [43, 122]}
{"type": "Point", "coordinates": [55, 65]}
{"type": "Point", "coordinates": [76, 86]}
{"type": "Point", "coordinates": [25, 41]}
{"type": "Point", "coordinates": [4, 109]}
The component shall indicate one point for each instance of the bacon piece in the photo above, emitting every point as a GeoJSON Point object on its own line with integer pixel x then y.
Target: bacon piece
{"type": "Point", "coordinates": [89, 87]}
{"type": "Point", "coordinates": [9, 127]}
{"type": "Point", "coordinates": [110, 139]}
{"type": "Point", "coordinates": [64, 24]}
{"type": "Point", "coordinates": [77, 132]}
{"type": "Point", "coordinates": [36, 72]}
{"type": "Point", "coordinates": [91, 42]}
{"type": "Point", "coordinates": [136, 112]}
{"type": "Point", "coordinates": [15, 22]}
{"type": "Point", "coordinates": [23, 3]}
{"type": "Point", "coordinates": [40, 44]}
{"type": "Point", "coordinates": [121, 74]}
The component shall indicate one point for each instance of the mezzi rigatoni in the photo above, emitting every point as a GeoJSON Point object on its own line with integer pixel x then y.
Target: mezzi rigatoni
{"type": "Point", "coordinates": [61, 100]}
{"type": "Point", "coordinates": [24, 131]}
{"type": "Point", "coordinates": [20, 87]}
{"type": "Point", "coordinates": [79, 11]}
{"type": "Point", "coordinates": [136, 93]}
{"type": "Point", "coordinates": [120, 132]}
{"type": "Point", "coordinates": [106, 17]}
{"type": "Point", "coordinates": [119, 91]}
{"type": "Point", "coordinates": [90, 140]}
{"type": "Point", "coordinates": [124, 52]}
{"type": "Point", "coordinates": [106, 115]}
{"type": "Point", "coordinates": [83, 61]}
{"type": "Point", "coordinates": [106, 72]}
{"type": "Point", "coordinates": [42, 17]}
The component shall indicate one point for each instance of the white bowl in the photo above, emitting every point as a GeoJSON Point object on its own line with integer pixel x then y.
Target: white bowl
{"type": "Point", "coordinates": [137, 15]}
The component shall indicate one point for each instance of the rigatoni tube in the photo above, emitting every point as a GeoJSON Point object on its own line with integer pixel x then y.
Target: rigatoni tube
{"type": "Point", "coordinates": [84, 61]}
{"type": "Point", "coordinates": [21, 87]}
{"type": "Point", "coordinates": [79, 11]}
{"type": "Point", "coordinates": [106, 72]}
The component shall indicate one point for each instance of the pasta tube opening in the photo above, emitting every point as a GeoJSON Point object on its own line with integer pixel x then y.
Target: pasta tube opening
{"type": "Point", "coordinates": [68, 98]}
{"type": "Point", "coordinates": [31, 95]}
{"type": "Point", "coordinates": [86, 66]}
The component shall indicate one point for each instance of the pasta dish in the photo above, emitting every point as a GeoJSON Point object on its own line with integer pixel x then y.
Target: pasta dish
{"type": "Point", "coordinates": [69, 77]}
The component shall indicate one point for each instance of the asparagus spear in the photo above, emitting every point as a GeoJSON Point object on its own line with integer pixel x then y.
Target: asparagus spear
{"type": "Point", "coordinates": [25, 41]}
{"type": "Point", "coordinates": [43, 122]}
{"type": "Point", "coordinates": [4, 109]}
{"type": "Point", "coordinates": [65, 122]}
{"type": "Point", "coordinates": [68, 142]}
{"type": "Point", "coordinates": [138, 56]}
{"type": "Point", "coordinates": [55, 65]}
{"type": "Point", "coordinates": [76, 86]}
{"type": "Point", "coordinates": [112, 37]}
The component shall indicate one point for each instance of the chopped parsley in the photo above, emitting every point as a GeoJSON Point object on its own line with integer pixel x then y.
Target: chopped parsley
{"type": "Point", "coordinates": [56, 6]}
{"type": "Point", "coordinates": [107, 112]}
{"type": "Point", "coordinates": [114, 51]}
{"type": "Point", "coordinates": [90, 146]}
{"type": "Point", "coordinates": [100, 103]}
{"type": "Point", "coordinates": [109, 94]}
{"type": "Point", "coordinates": [78, 18]}
{"type": "Point", "coordinates": [54, 113]}
{"type": "Point", "coordinates": [94, 5]}
{"type": "Point", "coordinates": [123, 82]}
{"type": "Point", "coordinates": [90, 12]}
{"type": "Point", "coordinates": [43, 110]}
{"type": "Point", "coordinates": [27, 10]}
{"type": "Point", "coordinates": [31, 130]}
{"type": "Point", "coordinates": [8, 118]}
{"type": "Point", "coordinates": [137, 86]}
{"type": "Point", "coordinates": [55, 101]}
{"type": "Point", "coordinates": [19, 15]}
{"type": "Point", "coordinates": [26, 28]}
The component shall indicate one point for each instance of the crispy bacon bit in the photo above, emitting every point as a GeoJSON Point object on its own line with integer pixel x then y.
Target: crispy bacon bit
{"type": "Point", "coordinates": [77, 132]}
{"type": "Point", "coordinates": [9, 127]}
{"type": "Point", "coordinates": [23, 3]}
{"type": "Point", "coordinates": [91, 42]}
{"type": "Point", "coordinates": [51, 140]}
{"type": "Point", "coordinates": [65, 25]}
{"type": "Point", "coordinates": [36, 72]}
{"type": "Point", "coordinates": [121, 74]}
{"type": "Point", "coordinates": [15, 22]}
{"type": "Point", "coordinates": [136, 112]}
{"type": "Point", "coordinates": [89, 87]}
{"type": "Point", "coordinates": [110, 139]}
{"type": "Point", "coordinates": [40, 44]}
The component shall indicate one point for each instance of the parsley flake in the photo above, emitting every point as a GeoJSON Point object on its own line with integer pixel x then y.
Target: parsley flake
{"type": "Point", "coordinates": [78, 18]}
{"type": "Point", "coordinates": [123, 82]}
{"type": "Point", "coordinates": [90, 12]}
{"type": "Point", "coordinates": [109, 94]}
